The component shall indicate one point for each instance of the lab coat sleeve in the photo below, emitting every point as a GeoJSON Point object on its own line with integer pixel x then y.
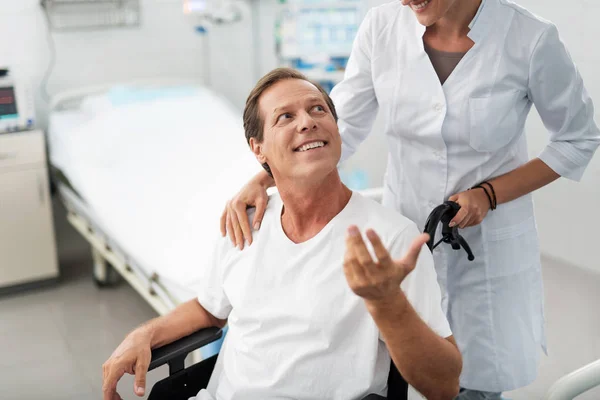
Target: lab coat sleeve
{"type": "Point", "coordinates": [556, 88]}
{"type": "Point", "coordinates": [354, 97]}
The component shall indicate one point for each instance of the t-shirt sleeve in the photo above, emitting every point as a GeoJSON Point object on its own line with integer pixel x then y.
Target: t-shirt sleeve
{"type": "Point", "coordinates": [421, 286]}
{"type": "Point", "coordinates": [211, 294]}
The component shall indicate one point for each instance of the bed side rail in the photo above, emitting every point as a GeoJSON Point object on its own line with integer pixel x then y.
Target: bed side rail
{"type": "Point", "coordinates": [577, 382]}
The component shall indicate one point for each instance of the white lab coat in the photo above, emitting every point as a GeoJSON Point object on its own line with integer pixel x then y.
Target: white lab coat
{"type": "Point", "coordinates": [444, 139]}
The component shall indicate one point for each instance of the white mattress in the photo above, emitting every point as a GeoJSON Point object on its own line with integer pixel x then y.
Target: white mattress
{"type": "Point", "coordinates": [156, 175]}
{"type": "Point", "coordinates": [60, 127]}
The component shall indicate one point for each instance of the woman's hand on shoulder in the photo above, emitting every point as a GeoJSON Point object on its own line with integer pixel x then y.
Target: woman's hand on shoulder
{"type": "Point", "coordinates": [235, 221]}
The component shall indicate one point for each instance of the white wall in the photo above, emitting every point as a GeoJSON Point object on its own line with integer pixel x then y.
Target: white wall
{"type": "Point", "coordinates": [164, 43]}
{"type": "Point", "coordinates": [234, 49]}
{"type": "Point", "coordinates": [567, 221]}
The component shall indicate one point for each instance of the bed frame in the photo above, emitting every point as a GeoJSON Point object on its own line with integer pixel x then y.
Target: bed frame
{"type": "Point", "coordinates": [109, 258]}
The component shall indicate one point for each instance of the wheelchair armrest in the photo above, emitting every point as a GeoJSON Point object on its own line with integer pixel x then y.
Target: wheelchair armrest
{"type": "Point", "coordinates": [175, 353]}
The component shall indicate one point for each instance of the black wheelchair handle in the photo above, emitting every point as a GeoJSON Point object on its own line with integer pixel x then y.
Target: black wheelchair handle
{"type": "Point", "coordinates": [175, 353]}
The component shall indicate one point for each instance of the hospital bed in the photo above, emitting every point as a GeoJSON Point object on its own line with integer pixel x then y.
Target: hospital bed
{"type": "Point", "coordinates": [143, 169]}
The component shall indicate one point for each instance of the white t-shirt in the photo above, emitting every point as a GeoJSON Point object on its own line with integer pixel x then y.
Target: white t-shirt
{"type": "Point", "coordinates": [296, 329]}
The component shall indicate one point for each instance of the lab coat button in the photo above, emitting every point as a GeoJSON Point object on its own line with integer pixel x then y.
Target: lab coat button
{"type": "Point", "coordinates": [438, 107]}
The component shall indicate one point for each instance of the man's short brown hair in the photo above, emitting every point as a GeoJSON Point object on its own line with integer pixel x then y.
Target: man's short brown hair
{"type": "Point", "coordinates": [253, 122]}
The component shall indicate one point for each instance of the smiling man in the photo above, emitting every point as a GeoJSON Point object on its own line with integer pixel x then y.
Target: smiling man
{"type": "Point", "coordinates": [314, 311]}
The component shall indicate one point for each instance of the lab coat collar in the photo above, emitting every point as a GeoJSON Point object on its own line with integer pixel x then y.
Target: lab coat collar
{"type": "Point", "coordinates": [482, 21]}
{"type": "Point", "coordinates": [480, 24]}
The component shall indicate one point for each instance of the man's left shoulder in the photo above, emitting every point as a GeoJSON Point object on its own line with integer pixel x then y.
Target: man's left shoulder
{"type": "Point", "coordinates": [384, 220]}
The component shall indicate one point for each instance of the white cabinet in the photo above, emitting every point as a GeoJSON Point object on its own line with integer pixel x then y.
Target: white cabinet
{"type": "Point", "coordinates": [27, 240]}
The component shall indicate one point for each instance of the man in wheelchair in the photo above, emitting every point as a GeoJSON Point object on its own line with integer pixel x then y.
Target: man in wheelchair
{"type": "Point", "coordinates": [314, 310]}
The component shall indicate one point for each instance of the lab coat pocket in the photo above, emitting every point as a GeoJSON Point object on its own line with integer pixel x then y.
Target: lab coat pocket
{"type": "Point", "coordinates": [493, 120]}
{"type": "Point", "coordinates": [510, 238]}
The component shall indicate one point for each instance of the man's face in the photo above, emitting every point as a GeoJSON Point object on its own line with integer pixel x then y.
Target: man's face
{"type": "Point", "coordinates": [301, 141]}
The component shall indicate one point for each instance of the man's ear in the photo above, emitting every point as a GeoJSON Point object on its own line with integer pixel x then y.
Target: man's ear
{"type": "Point", "coordinates": [256, 148]}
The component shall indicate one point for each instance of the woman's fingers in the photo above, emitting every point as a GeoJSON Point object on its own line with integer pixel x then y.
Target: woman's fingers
{"type": "Point", "coordinates": [467, 221]}
{"type": "Point", "coordinates": [237, 230]}
{"type": "Point", "coordinates": [459, 217]}
{"type": "Point", "coordinates": [224, 222]}
{"type": "Point", "coordinates": [243, 222]}
{"type": "Point", "coordinates": [261, 206]}
{"type": "Point", "coordinates": [229, 225]}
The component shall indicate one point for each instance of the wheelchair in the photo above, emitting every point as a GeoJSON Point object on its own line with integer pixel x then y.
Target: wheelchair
{"type": "Point", "coordinates": [183, 383]}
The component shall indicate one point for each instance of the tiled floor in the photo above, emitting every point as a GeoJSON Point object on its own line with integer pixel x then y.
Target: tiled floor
{"type": "Point", "coordinates": [54, 341]}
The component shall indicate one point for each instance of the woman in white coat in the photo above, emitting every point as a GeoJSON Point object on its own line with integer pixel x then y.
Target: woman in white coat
{"type": "Point", "coordinates": [455, 81]}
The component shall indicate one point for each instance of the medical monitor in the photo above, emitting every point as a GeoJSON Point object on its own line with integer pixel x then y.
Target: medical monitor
{"type": "Point", "coordinates": [17, 109]}
{"type": "Point", "coordinates": [8, 103]}
{"type": "Point", "coordinates": [312, 29]}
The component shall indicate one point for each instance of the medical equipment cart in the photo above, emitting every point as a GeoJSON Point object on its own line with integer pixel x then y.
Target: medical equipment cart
{"type": "Point", "coordinates": [28, 256]}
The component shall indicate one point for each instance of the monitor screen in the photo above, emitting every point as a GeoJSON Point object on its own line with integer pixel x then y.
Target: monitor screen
{"type": "Point", "coordinates": [311, 29]}
{"type": "Point", "coordinates": [8, 103]}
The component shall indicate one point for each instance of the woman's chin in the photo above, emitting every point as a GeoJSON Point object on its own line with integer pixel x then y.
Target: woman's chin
{"type": "Point", "coordinates": [426, 20]}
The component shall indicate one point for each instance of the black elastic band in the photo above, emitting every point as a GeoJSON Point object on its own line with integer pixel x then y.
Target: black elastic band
{"type": "Point", "coordinates": [486, 193]}
{"type": "Point", "coordinates": [493, 193]}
